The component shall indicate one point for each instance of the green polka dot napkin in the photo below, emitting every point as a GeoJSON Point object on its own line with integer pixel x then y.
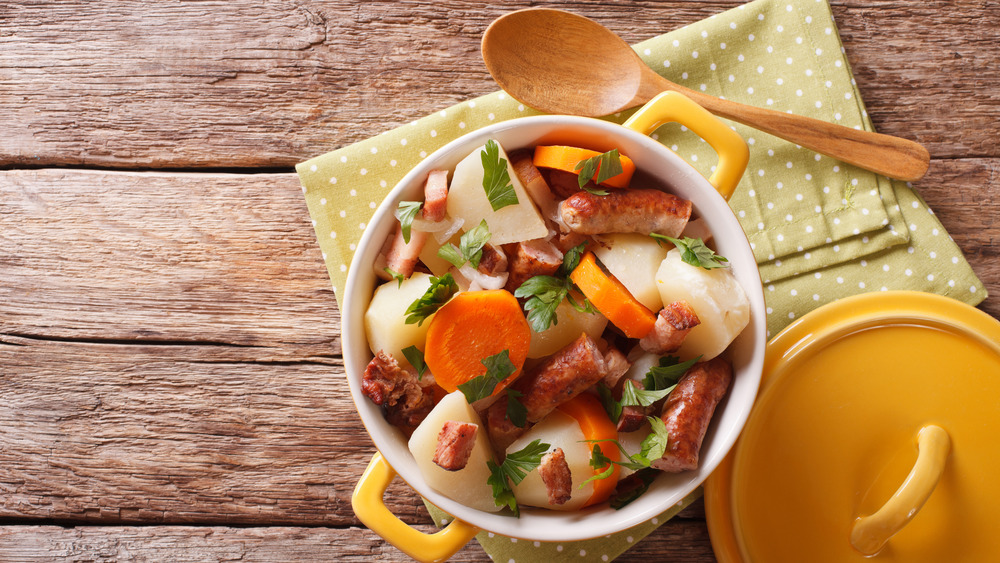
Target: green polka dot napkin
{"type": "Point", "coordinates": [820, 229]}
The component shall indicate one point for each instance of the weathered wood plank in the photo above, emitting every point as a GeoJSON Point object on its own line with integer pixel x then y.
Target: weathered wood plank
{"type": "Point", "coordinates": [678, 540]}
{"type": "Point", "coordinates": [108, 256]}
{"type": "Point", "coordinates": [250, 84]}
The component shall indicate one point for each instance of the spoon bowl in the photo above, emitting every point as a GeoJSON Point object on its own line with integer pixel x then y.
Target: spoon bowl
{"type": "Point", "coordinates": [559, 62]}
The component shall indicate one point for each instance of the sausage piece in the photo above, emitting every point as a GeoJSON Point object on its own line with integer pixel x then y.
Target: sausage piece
{"type": "Point", "coordinates": [673, 323]}
{"type": "Point", "coordinates": [689, 409]}
{"type": "Point", "coordinates": [454, 445]}
{"type": "Point", "coordinates": [557, 477]}
{"type": "Point", "coordinates": [564, 375]}
{"type": "Point", "coordinates": [626, 211]}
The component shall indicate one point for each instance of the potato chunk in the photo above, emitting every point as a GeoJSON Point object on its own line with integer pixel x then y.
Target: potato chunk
{"type": "Point", "coordinates": [569, 324]}
{"type": "Point", "coordinates": [560, 430]}
{"type": "Point", "coordinates": [385, 319]}
{"type": "Point", "coordinates": [467, 199]}
{"type": "Point", "coordinates": [715, 295]}
{"type": "Point", "coordinates": [467, 485]}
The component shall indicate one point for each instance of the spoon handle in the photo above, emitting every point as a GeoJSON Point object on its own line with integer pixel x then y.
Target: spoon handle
{"type": "Point", "coordinates": [884, 154]}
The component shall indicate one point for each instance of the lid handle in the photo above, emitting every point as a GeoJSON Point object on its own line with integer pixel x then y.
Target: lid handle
{"type": "Point", "coordinates": [871, 532]}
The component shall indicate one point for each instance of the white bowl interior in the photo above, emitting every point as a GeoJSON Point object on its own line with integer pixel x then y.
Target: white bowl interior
{"type": "Point", "coordinates": [746, 353]}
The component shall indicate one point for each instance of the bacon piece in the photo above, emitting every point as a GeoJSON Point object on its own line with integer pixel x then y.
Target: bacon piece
{"type": "Point", "coordinates": [565, 184]}
{"type": "Point", "coordinates": [631, 419]}
{"type": "Point", "coordinates": [626, 211]}
{"type": "Point", "coordinates": [556, 475]}
{"type": "Point", "coordinates": [398, 391]}
{"type": "Point", "coordinates": [688, 411]}
{"type": "Point", "coordinates": [454, 445]}
{"type": "Point", "coordinates": [567, 241]}
{"type": "Point", "coordinates": [618, 366]}
{"type": "Point", "coordinates": [538, 257]}
{"type": "Point", "coordinates": [399, 255]}
{"type": "Point", "coordinates": [436, 195]}
{"type": "Point", "coordinates": [493, 260]}
{"type": "Point", "coordinates": [673, 324]}
{"type": "Point", "coordinates": [534, 183]}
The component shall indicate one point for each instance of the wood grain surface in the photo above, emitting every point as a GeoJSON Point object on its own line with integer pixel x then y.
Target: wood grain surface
{"type": "Point", "coordinates": [171, 386]}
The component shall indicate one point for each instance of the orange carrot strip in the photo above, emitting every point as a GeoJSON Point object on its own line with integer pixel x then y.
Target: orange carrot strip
{"type": "Point", "coordinates": [470, 327]}
{"type": "Point", "coordinates": [595, 424]}
{"type": "Point", "coordinates": [612, 299]}
{"type": "Point", "coordinates": [568, 159]}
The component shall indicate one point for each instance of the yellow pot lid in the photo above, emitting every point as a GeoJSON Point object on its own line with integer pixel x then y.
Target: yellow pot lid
{"type": "Point", "coordinates": [858, 397]}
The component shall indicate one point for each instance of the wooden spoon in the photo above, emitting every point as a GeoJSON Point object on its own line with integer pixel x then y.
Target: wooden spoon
{"type": "Point", "coordinates": [559, 62]}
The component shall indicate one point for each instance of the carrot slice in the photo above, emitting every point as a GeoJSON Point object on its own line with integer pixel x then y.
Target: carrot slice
{"type": "Point", "coordinates": [568, 159]}
{"type": "Point", "coordinates": [612, 299]}
{"type": "Point", "coordinates": [472, 326]}
{"type": "Point", "coordinates": [595, 424]}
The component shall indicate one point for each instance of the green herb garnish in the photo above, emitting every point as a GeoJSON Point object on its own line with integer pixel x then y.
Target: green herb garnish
{"type": "Point", "coordinates": [406, 211]}
{"type": "Point", "coordinates": [694, 252]}
{"type": "Point", "coordinates": [416, 359]}
{"type": "Point", "coordinates": [496, 179]}
{"type": "Point", "coordinates": [651, 449]}
{"type": "Point", "coordinates": [498, 368]}
{"type": "Point", "coordinates": [470, 247]}
{"type": "Point", "coordinates": [513, 469]}
{"type": "Point", "coordinates": [633, 396]}
{"type": "Point", "coordinates": [606, 165]}
{"type": "Point", "coordinates": [394, 275]}
{"type": "Point", "coordinates": [645, 476]}
{"type": "Point", "coordinates": [517, 413]}
{"type": "Point", "coordinates": [666, 374]}
{"type": "Point", "coordinates": [437, 294]}
{"type": "Point", "coordinates": [545, 293]}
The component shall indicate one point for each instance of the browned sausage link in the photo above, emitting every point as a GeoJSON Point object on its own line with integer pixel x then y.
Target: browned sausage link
{"type": "Point", "coordinates": [626, 211]}
{"type": "Point", "coordinates": [454, 445]}
{"type": "Point", "coordinates": [561, 377]}
{"type": "Point", "coordinates": [673, 323]}
{"type": "Point", "coordinates": [557, 477]}
{"type": "Point", "coordinates": [531, 258]}
{"type": "Point", "coordinates": [689, 409]}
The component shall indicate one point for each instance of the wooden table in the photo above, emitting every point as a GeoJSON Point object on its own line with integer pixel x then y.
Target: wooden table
{"type": "Point", "coordinates": [171, 386]}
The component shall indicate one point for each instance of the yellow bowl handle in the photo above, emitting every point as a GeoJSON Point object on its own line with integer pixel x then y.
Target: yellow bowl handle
{"type": "Point", "coordinates": [373, 513]}
{"type": "Point", "coordinates": [871, 532]}
{"type": "Point", "coordinates": [673, 106]}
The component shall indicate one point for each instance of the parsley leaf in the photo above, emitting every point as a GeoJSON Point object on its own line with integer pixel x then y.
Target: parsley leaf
{"type": "Point", "coordinates": [611, 406]}
{"type": "Point", "coordinates": [544, 294]}
{"type": "Point", "coordinates": [516, 411]}
{"type": "Point", "coordinates": [496, 179]}
{"type": "Point", "coordinates": [406, 211]}
{"type": "Point", "coordinates": [606, 165]}
{"type": "Point", "coordinates": [651, 449]}
{"type": "Point", "coordinates": [631, 395]}
{"type": "Point", "coordinates": [437, 294]}
{"type": "Point", "coordinates": [572, 259]}
{"type": "Point", "coordinates": [666, 374]}
{"type": "Point", "coordinates": [416, 359]}
{"type": "Point", "coordinates": [470, 246]}
{"type": "Point", "coordinates": [394, 275]}
{"type": "Point", "coordinates": [645, 477]}
{"type": "Point", "coordinates": [498, 368]}
{"type": "Point", "coordinates": [513, 469]}
{"type": "Point", "coordinates": [694, 252]}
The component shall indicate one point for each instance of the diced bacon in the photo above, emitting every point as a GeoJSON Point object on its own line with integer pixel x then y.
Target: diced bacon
{"type": "Point", "coordinates": [564, 184]}
{"type": "Point", "coordinates": [673, 324]}
{"type": "Point", "coordinates": [436, 195]}
{"type": "Point", "coordinates": [534, 183]}
{"type": "Point", "coordinates": [567, 241]}
{"type": "Point", "coordinates": [493, 260]}
{"type": "Point", "coordinates": [538, 257]}
{"type": "Point", "coordinates": [617, 365]}
{"type": "Point", "coordinates": [556, 475]}
{"type": "Point", "coordinates": [398, 391]}
{"type": "Point", "coordinates": [454, 445]}
{"type": "Point", "coordinates": [631, 419]}
{"type": "Point", "coordinates": [502, 431]}
{"type": "Point", "coordinates": [398, 255]}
